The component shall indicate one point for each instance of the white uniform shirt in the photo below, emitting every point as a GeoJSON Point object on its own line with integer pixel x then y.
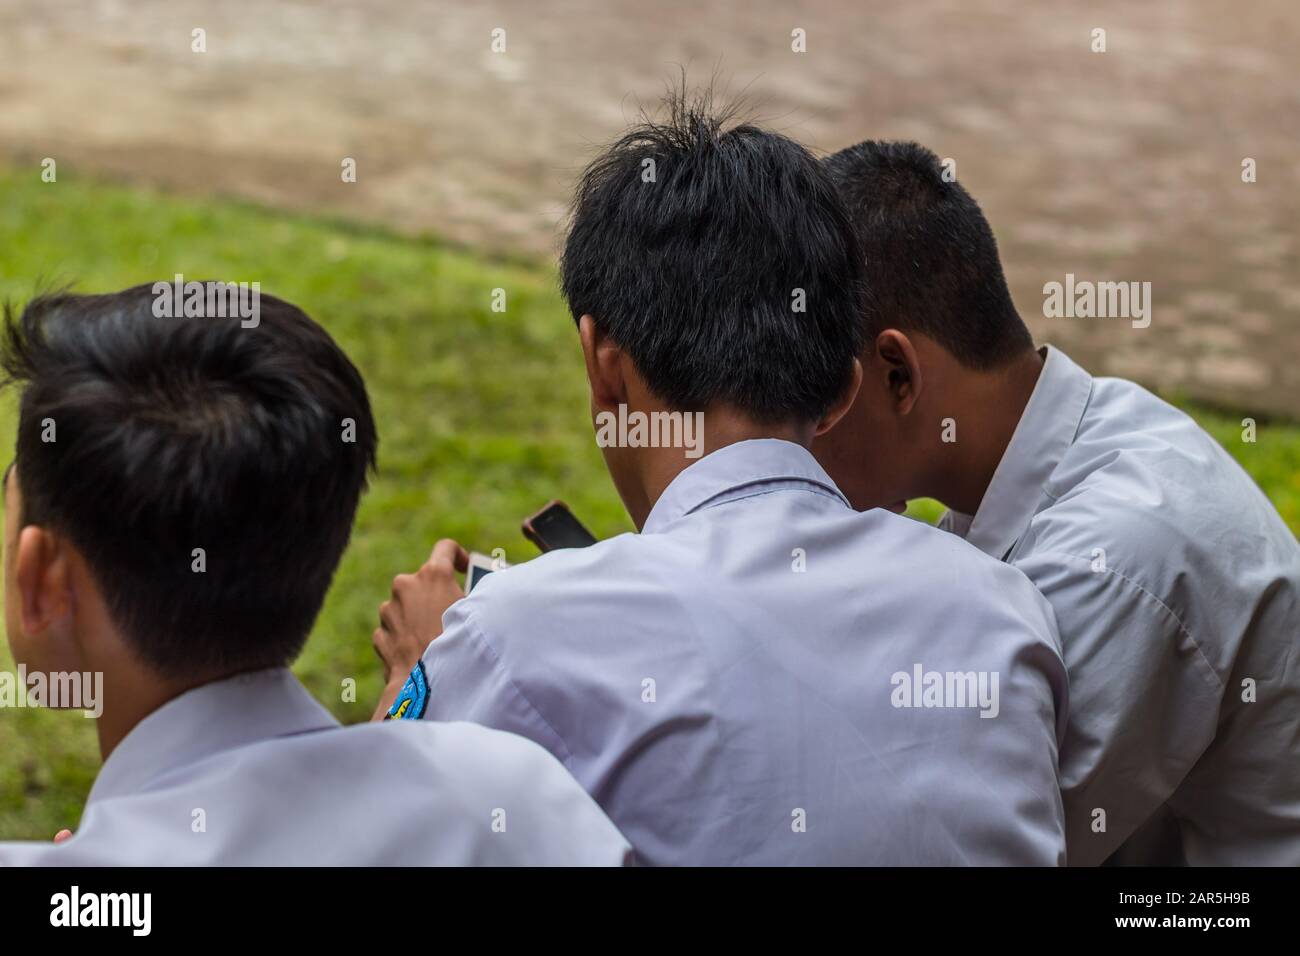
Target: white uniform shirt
{"type": "Point", "coordinates": [252, 771]}
{"type": "Point", "coordinates": [1175, 585]}
{"type": "Point", "coordinates": [728, 684]}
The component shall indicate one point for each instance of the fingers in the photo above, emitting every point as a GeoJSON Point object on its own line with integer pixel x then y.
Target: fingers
{"type": "Point", "coordinates": [412, 617]}
{"type": "Point", "coordinates": [381, 641]}
{"type": "Point", "coordinates": [387, 615]}
{"type": "Point", "coordinates": [448, 553]}
{"type": "Point", "coordinates": [62, 835]}
{"type": "Point", "coordinates": [413, 595]}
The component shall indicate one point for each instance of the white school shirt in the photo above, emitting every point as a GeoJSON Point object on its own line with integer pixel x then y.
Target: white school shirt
{"type": "Point", "coordinates": [731, 685]}
{"type": "Point", "coordinates": [1175, 585]}
{"type": "Point", "coordinates": [252, 771]}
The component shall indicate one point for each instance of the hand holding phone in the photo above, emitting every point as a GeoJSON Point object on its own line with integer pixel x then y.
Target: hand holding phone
{"type": "Point", "coordinates": [412, 617]}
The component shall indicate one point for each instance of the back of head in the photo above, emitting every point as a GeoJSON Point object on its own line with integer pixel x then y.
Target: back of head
{"type": "Point", "coordinates": [931, 260]}
{"type": "Point", "coordinates": [143, 439]}
{"type": "Point", "coordinates": [719, 258]}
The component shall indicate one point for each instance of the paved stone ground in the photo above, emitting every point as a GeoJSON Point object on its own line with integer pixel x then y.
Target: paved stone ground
{"type": "Point", "coordinates": [1117, 166]}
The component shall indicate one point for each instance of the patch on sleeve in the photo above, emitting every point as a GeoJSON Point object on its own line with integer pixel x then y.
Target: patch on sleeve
{"type": "Point", "coordinates": [413, 698]}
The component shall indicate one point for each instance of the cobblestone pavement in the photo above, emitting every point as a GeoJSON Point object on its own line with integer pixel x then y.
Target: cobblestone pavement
{"type": "Point", "coordinates": [1123, 165]}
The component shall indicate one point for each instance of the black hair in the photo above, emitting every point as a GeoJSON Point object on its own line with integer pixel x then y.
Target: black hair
{"type": "Point", "coordinates": [142, 438]}
{"type": "Point", "coordinates": [932, 262]}
{"type": "Point", "coordinates": [720, 259]}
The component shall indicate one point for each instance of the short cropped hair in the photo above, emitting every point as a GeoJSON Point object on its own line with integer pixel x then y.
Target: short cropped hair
{"type": "Point", "coordinates": [143, 439]}
{"type": "Point", "coordinates": [720, 259]}
{"type": "Point", "coordinates": [932, 262]}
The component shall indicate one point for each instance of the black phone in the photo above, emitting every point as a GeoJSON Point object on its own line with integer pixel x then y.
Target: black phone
{"type": "Point", "coordinates": [555, 527]}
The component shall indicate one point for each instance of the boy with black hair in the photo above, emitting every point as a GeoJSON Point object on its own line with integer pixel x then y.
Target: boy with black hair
{"type": "Point", "coordinates": [1176, 584]}
{"type": "Point", "coordinates": [761, 675]}
{"type": "Point", "coordinates": [182, 493]}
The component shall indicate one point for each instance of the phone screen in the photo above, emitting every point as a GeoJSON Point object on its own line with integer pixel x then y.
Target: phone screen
{"type": "Point", "coordinates": [558, 528]}
{"type": "Point", "coordinates": [476, 573]}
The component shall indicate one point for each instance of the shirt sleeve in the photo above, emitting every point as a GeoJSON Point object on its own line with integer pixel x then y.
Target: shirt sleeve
{"type": "Point", "coordinates": [468, 680]}
{"type": "Point", "coordinates": [1144, 700]}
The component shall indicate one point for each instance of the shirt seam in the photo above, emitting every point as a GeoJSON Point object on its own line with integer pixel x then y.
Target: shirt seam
{"type": "Point", "coordinates": [710, 503]}
{"type": "Point", "coordinates": [476, 630]}
{"type": "Point", "coordinates": [1182, 628]}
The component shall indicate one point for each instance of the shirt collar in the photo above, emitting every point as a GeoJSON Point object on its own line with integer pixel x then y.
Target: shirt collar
{"type": "Point", "coordinates": [731, 467]}
{"type": "Point", "coordinates": [206, 720]}
{"type": "Point", "coordinates": [1046, 430]}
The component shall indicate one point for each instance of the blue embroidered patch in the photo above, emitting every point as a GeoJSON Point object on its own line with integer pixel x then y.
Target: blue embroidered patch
{"type": "Point", "coordinates": [413, 698]}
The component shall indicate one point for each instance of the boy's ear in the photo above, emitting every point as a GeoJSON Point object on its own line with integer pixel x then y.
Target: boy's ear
{"type": "Point", "coordinates": [604, 362]}
{"type": "Point", "coordinates": [843, 403]}
{"type": "Point", "coordinates": [901, 368]}
{"type": "Point", "coordinates": [43, 579]}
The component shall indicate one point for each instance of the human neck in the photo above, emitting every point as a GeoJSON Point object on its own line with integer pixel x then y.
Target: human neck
{"type": "Point", "coordinates": [657, 467]}
{"type": "Point", "coordinates": [994, 403]}
{"type": "Point", "coordinates": [131, 693]}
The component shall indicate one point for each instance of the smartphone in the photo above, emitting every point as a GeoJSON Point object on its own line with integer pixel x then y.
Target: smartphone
{"type": "Point", "coordinates": [480, 566]}
{"type": "Point", "coordinates": [555, 527]}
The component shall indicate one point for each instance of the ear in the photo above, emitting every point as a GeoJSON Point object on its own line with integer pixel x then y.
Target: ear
{"type": "Point", "coordinates": [604, 362]}
{"type": "Point", "coordinates": [843, 403]}
{"type": "Point", "coordinates": [902, 369]}
{"type": "Point", "coordinates": [43, 579]}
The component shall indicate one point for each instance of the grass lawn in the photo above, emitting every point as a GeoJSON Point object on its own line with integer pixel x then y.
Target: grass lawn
{"type": "Point", "coordinates": [482, 415]}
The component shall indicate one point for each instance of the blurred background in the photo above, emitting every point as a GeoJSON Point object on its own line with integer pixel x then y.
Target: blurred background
{"type": "Point", "coordinates": [1123, 165]}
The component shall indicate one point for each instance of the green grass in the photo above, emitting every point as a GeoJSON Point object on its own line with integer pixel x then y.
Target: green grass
{"type": "Point", "coordinates": [482, 415]}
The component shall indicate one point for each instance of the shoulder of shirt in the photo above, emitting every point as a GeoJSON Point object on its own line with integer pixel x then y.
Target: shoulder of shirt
{"type": "Point", "coordinates": [1146, 485]}
{"type": "Point", "coordinates": [445, 761]}
{"type": "Point", "coordinates": [528, 613]}
{"type": "Point", "coordinates": [554, 590]}
{"type": "Point", "coordinates": [427, 770]}
{"type": "Point", "coordinates": [439, 744]}
{"type": "Point", "coordinates": [458, 749]}
{"type": "Point", "coordinates": [637, 557]}
{"type": "Point", "coordinates": [1139, 475]}
{"type": "Point", "coordinates": [465, 763]}
{"type": "Point", "coordinates": [974, 579]}
{"type": "Point", "coordinates": [569, 572]}
{"type": "Point", "coordinates": [926, 540]}
{"type": "Point", "coordinates": [1125, 424]}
